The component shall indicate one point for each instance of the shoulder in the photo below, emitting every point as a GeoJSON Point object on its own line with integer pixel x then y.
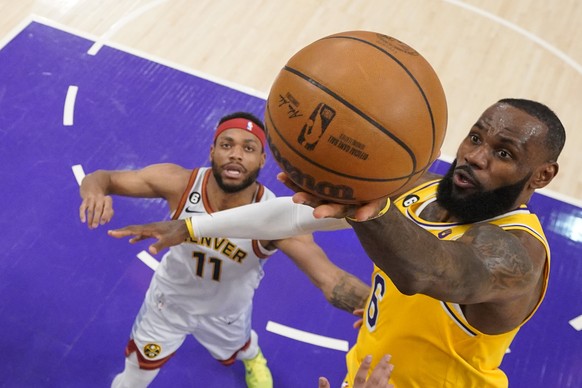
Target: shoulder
{"type": "Point", "coordinates": [427, 177]}
{"type": "Point", "coordinates": [168, 168]}
{"type": "Point", "coordinates": [515, 253]}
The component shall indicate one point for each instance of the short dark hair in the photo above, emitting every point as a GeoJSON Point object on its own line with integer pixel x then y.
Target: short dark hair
{"type": "Point", "coordinates": [556, 135]}
{"type": "Point", "coordinates": [243, 115]}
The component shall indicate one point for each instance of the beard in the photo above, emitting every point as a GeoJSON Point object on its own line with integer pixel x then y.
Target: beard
{"type": "Point", "coordinates": [481, 205]}
{"type": "Point", "coordinates": [252, 178]}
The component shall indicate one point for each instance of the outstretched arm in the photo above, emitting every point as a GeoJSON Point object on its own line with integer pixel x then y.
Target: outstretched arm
{"type": "Point", "coordinates": [342, 289]}
{"type": "Point", "coordinates": [158, 180]}
{"type": "Point", "coordinates": [270, 220]}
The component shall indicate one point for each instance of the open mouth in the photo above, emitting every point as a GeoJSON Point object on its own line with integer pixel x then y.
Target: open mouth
{"type": "Point", "coordinates": [233, 171]}
{"type": "Point", "coordinates": [463, 179]}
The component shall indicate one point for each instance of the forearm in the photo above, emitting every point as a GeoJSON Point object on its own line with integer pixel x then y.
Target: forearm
{"type": "Point", "coordinates": [97, 181]}
{"type": "Point", "coordinates": [349, 294]}
{"type": "Point", "coordinates": [413, 258]}
{"type": "Point", "coordinates": [271, 220]}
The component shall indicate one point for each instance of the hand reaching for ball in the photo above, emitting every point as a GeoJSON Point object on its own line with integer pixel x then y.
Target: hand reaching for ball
{"type": "Point", "coordinates": [326, 209]}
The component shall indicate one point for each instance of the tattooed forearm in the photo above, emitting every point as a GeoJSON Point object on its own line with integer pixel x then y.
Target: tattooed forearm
{"type": "Point", "coordinates": [349, 293]}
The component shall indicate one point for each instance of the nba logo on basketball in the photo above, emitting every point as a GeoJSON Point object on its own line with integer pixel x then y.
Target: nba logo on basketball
{"type": "Point", "coordinates": [315, 127]}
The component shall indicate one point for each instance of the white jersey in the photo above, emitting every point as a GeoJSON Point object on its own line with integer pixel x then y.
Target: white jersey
{"type": "Point", "coordinates": [216, 275]}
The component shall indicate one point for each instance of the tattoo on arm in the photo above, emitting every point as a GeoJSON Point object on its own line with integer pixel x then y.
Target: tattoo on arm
{"type": "Point", "coordinates": [507, 261]}
{"type": "Point", "coordinates": [349, 293]}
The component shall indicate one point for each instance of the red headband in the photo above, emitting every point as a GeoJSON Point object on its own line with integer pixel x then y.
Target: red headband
{"type": "Point", "coordinates": [244, 124]}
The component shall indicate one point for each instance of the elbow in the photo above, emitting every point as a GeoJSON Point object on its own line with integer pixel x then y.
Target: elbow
{"type": "Point", "coordinates": [417, 280]}
{"type": "Point", "coordinates": [408, 284]}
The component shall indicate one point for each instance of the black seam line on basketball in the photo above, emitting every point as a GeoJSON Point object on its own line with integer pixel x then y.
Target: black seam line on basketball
{"type": "Point", "coordinates": [408, 72]}
{"type": "Point", "coordinates": [356, 177]}
{"type": "Point", "coordinates": [359, 112]}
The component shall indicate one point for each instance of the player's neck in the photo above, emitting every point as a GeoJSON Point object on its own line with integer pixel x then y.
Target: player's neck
{"type": "Point", "coordinates": [221, 200]}
{"type": "Point", "coordinates": [436, 213]}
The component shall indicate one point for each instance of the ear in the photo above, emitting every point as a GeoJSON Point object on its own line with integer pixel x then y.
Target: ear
{"type": "Point", "coordinates": [544, 175]}
{"type": "Point", "coordinates": [211, 155]}
{"type": "Point", "coordinates": [263, 159]}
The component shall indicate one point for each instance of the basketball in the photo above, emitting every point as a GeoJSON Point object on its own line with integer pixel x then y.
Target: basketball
{"type": "Point", "coordinates": [356, 116]}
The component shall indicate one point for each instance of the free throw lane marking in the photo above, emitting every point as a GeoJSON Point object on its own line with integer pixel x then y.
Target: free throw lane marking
{"type": "Point", "coordinates": [310, 338]}
{"type": "Point", "coordinates": [122, 22]}
{"type": "Point", "coordinates": [148, 260]}
{"type": "Point", "coordinates": [69, 110]}
{"type": "Point", "coordinates": [576, 323]}
{"type": "Point", "coordinates": [79, 173]}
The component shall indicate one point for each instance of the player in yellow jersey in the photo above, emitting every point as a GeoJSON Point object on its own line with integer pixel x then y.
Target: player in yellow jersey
{"type": "Point", "coordinates": [460, 263]}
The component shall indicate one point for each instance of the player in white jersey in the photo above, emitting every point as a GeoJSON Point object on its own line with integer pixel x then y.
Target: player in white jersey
{"type": "Point", "coordinates": [204, 286]}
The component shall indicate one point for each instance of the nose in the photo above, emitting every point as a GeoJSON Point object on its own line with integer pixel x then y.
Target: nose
{"type": "Point", "coordinates": [236, 152]}
{"type": "Point", "coordinates": [477, 157]}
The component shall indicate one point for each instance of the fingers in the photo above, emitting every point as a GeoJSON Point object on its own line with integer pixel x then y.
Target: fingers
{"type": "Point", "coordinates": [144, 232]}
{"type": "Point", "coordinates": [284, 178]}
{"type": "Point", "coordinates": [107, 213]}
{"type": "Point", "coordinates": [331, 210]}
{"type": "Point", "coordinates": [307, 199]}
{"type": "Point", "coordinates": [358, 313]}
{"type": "Point", "coordinates": [86, 211]}
{"type": "Point", "coordinates": [95, 211]}
{"type": "Point", "coordinates": [378, 378]}
{"type": "Point", "coordinates": [323, 383]}
{"type": "Point", "coordinates": [138, 238]}
{"type": "Point", "coordinates": [82, 210]}
{"type": "Point", "coordinates": [136, 232]}
{"type": "Point", "coordinates": [157, 247]}
{"type": "Point", "coordinates": [362, 373]}
{"type": "Point", "coordinates": [120, 233]}
{"type": "Point", "coordinates": [366, 211]}
{"type": "Point", "coordinates": [381, 373]}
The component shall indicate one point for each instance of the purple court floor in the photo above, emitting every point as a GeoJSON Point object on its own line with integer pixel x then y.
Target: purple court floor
{"type": "Point", "coordinates": [69, 294]}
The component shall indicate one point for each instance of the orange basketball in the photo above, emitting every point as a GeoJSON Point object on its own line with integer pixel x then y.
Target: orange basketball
{"type": "Point", "coordinates": [356, 116]}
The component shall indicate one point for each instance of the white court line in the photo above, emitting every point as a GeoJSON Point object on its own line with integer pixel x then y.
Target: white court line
{"type": "Point", "coordinates": [120, 23]}
{"type": "Point", "coordinates": [310, 338]}
{"type": "Point", "coordinates": [79, 173]}
{"type": "Point", "coordinates": [534, 38]}
{"type": "Point", "coordinates": [148, 260]}
{"type": "Point", "coordinates": [576, 323]}
{"type": "Point", "coordinates": [158, 60]}
{"type": "Point", "coordinates": [560, 197]}
{"type": "Point", "coordinates": [69, 110]}
{"type": "Point", "coordinates": [15, 31]}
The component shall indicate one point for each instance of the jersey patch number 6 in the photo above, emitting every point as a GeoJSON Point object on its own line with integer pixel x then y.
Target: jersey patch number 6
{"type": "Point", "coordinates": [377, 295]}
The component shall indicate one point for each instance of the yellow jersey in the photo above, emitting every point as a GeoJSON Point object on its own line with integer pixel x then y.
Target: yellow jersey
{"type": "Point", "coordinates": [431, 343]}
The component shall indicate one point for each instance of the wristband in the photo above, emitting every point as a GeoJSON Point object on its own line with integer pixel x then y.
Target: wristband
{"type": "Point", "coordinates": [190, 228]}
{"type": "Point", "coordinates": [380, 213]}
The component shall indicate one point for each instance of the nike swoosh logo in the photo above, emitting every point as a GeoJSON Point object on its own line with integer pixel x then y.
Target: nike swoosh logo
{"type": "Point", "coordinates": [193, 211]}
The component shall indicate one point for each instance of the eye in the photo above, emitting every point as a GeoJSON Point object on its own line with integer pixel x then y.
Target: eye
{"type": "Point", "coordinates": [474, 138]}
{"type": "Point", "coordinates": [249, 149]}
{"type": "Point", "coordinates": [225, 145]}
{"type": "Point", "coordinates": [504, 154]}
